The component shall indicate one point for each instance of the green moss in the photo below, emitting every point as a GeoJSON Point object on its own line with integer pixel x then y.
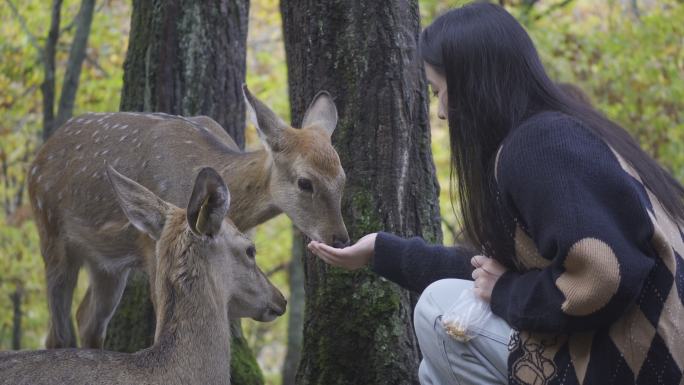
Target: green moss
{"type": "Point", "coordinates": [244, 369]}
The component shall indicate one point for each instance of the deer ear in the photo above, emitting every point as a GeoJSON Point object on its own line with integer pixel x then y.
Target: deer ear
{"type": "Point", "coordinates": [321, 113]}
{"type": "Point", "coordinates": [208, 204]}
{"type": "Point", "coordinates": [269, 125]}
{"type": "Point", "coordinates": [146, 211]}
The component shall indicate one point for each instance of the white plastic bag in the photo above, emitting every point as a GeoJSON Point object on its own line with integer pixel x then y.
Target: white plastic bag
{"type": "Point", "coordinates": [466, 316]}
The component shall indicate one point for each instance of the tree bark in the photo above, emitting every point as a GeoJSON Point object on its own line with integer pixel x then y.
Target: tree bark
{"type": "Point", "coordinates": [188, 58]}
{"type": "Point", "coordinates": [295, 309]}
{"type": "Point", "coordinates": [17, 296]}
{"type": "Point", "coordinates": [77, 54]}
{"type": "Point", "coordinates": [48, 56]}
{"type": "Point", "coordinates": [358, 326]}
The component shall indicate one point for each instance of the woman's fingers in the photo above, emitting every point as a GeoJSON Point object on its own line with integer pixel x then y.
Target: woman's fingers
{"type": "Point", "coordinates": [478, 260]}
{"type": "Point", "coordinates": [328, 254]}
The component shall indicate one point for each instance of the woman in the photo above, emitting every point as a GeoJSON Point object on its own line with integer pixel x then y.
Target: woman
{"type": "Point", "coordinates": [578, 228]}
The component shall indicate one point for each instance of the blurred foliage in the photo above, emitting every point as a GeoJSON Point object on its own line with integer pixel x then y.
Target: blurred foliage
{"type": "Point", "coordinates": [630, 61]}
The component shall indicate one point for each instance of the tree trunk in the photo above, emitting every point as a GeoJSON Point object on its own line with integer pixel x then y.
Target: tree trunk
{"type": "Point", "coordinates": [17, 297]}
{"type": "Point", "coordinates": [77, 54]}
{"type": "Point", "coordinates": [358, 326]}
{"type": "Point", "coordinates": [295, 309]}
{"type": "Point", "coordinates": [48, 56]}
{"type": "Point", "coordinates": [188, 58]}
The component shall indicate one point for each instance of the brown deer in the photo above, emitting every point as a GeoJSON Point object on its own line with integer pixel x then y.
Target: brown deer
{"type": "Point", "coordinates": [298, 172]}
{"type": "Point", "coordinates": [205, 272]}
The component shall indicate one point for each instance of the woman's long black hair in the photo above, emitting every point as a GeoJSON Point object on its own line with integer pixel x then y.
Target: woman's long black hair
{"type": "Point", "coordinates": [495, 80]}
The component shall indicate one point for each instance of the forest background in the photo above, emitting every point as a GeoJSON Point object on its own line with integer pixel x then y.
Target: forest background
{"type": "Point", "coordinates": [627, 55]}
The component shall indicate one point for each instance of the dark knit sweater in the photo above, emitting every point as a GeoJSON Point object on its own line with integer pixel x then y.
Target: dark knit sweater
{"type": "Point", "coordinates": [598, 295]}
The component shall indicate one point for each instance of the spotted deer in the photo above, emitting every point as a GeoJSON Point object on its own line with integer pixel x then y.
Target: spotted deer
{"type": "Point", "coordinates": [297, 172]}
{"type": "Point", "coordinates": [205, 272]}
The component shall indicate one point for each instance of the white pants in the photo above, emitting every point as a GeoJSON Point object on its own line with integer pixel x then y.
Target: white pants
{"type": "Point", "coordinates": [479, 361]}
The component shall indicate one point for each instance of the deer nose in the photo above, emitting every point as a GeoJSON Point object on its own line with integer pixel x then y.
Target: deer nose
{"type": "Point", "coordinates": [340, 242]}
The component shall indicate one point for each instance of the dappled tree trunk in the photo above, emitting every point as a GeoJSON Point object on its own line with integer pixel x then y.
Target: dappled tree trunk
{"type": "Point", "coordinates": [358, 327]}
{"type": "Point", "coordinates": [187, 58]}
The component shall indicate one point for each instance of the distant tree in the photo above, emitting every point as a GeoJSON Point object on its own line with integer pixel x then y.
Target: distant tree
{"type": "Point", "coordinates": [358, 327]}
{"type": "Point", "coordinates": [187, 58]}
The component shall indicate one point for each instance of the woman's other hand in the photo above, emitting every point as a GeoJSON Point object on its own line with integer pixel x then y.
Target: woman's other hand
{"type": "Point", "coordinates": [487, 272]}
{"type": "Point", "coordinates": [352, 257]}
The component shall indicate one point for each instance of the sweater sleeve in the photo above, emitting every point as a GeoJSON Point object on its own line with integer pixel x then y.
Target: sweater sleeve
{"type": "Point", "coordinates": [587, 218]}
{"type": "Point", "coordinates": [413, 264]}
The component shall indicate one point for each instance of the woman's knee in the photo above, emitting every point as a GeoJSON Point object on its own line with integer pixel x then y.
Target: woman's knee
{"type": "Point", "coordinates": [433, 302]}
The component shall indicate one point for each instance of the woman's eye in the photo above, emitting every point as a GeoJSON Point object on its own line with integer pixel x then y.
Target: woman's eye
{"type": "Point", "coordinates": [305, 185]}
{"type": "Point", "coordinates": [251, 252]}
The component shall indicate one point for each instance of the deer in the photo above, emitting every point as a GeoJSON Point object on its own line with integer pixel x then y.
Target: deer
{"type": "Point", "coordinates": [205, 273]}
{"type": "Point", "coordinates": [297, 172]}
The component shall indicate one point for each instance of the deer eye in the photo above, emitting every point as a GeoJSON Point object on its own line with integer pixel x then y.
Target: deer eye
{"type": "Point", "coordinates": [305, 185]}
{"type": "Point", "coordinates": [251, 252]}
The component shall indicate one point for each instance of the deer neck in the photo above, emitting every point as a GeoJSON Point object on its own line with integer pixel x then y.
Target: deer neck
{"type": "Point", "coordinates": [194, 337]}
{"type": "Point", "coordinates": [248, 179]}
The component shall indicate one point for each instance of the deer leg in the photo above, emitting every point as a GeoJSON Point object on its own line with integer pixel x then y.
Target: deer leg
{"type": "Point", "coordinates": [98, 306]}
{"type": "Point", "coordinates": [61, 274]}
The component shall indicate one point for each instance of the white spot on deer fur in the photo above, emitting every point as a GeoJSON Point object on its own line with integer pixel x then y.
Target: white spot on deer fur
{"type": "Point", "coordinates": [123, 127]}
{"type": "Point", "coordinates": [158, 156]}
{"type": "Point", "coordinates": [39, 203]}
{"type": "Point", "coordinates": [78, 146]}
{"type": "Point", "coordinates": [34, 170]}
{"type": "Point", "coordinates": [77, 132]}
{"type": "Point", "coordinates": [105, 152]}
{"type": "Point", "coordinates": [188, 141]}
{"type": "Point", "coordinates": [79, 120]}
{"type": "Point", "coordinates": [70, 119]}
{"type": "Point", "coordinates": [123, 138]}
{"type": "Point", "coordinates": [95, 133]}
{"type": "Point", "coordinates": [60, 195]}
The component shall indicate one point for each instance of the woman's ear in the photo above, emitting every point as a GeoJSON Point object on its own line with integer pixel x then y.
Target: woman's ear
{"type": "Point", "coordinates": [208, 203]}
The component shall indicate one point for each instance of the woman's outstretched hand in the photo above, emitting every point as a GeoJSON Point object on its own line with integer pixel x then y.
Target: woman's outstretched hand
{"type": "Point", "coordinates": [353, 257]}
{"type": "Point", "coordinates": [487, 272]}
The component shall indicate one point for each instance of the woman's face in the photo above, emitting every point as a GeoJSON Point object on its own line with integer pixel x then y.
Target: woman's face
{"type": "Point", "coordinates": [439, 89]}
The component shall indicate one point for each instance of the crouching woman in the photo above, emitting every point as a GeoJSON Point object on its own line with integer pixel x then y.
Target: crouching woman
{"type": "Point", "coordinates": [579, 230]}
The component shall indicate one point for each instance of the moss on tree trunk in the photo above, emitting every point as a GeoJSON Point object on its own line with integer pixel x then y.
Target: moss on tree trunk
{"type": "Point", "coordinates": [184, 57]}
{"type": "Point", "coordinates": [358, 326]}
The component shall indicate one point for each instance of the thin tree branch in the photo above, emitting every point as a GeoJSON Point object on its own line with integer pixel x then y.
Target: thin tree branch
{"type": "Point", "coordinates": [552, 8]}
{"type": "Point", "coordinates": [277, 269]}
{"type": "Point", "coordinates": [48, 86]}
{"type": "Point", "coordinates": [75, 62]}
{"type": "Point", "coordinates": [24, 26]}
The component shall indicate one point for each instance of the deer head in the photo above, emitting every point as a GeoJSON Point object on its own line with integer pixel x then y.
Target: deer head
{"type": "Point", "coordinates": [307, 179]}
{"type": "Point", "coordinates": [200, 243]}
